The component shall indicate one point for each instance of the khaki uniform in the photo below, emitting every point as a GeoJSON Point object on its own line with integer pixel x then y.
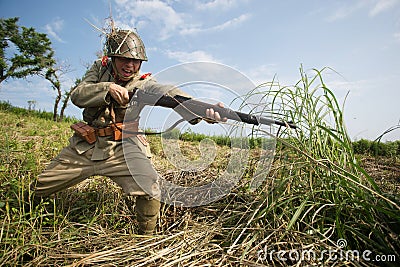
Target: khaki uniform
{"type": "Point", "coordinates": [107, 157]}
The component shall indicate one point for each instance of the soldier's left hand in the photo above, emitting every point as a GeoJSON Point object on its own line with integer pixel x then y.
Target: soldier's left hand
{"type": "Point", "coordinates": [213, 117]}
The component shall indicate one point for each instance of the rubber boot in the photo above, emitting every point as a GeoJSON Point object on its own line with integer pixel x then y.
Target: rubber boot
{"type": "Point", "coordinates": [147, 211]}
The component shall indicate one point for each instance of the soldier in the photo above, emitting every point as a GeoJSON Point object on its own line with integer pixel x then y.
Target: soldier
{"type": "Point", "coordinates": [103, 95]}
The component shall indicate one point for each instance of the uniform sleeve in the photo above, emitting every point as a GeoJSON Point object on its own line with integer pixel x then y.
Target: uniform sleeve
{"type": "Point", "coordinates": [92, 92]}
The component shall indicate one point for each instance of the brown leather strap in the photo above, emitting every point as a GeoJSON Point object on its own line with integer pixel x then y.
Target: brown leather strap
{"type": "Point", "coordinates": [130, 126]}
{"type": "Point", "coordinates": [107, 131]}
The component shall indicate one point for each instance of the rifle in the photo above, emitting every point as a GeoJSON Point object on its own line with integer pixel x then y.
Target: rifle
{"type": "Point", "coordinates": [199, 108]}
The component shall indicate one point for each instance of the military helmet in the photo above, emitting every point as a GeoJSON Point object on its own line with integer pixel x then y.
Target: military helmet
{"type": "Point", "coordinates": [125, 43]}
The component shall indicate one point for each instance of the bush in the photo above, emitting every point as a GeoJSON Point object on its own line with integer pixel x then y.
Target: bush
{"type": "Point", "coordinates": [373, 148]}
{"type": "Point", "coordinates": [6, 106]}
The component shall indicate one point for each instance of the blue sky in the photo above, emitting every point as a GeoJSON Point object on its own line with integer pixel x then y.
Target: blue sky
{"type": "Point", "coordinates": [359, 39]}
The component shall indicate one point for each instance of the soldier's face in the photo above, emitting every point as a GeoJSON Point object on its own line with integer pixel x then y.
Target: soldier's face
{"type": "Point", "coordinates": [126, 67]}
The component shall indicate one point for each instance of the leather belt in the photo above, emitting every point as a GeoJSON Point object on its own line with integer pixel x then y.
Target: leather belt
{"type": "Point", "coordinates": [106, 131]}
{"type": "Point", "coordinates": [115, 129]}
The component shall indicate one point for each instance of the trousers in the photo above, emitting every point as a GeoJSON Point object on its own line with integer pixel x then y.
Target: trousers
{"type": "Point", "coordinates": [129, 167]}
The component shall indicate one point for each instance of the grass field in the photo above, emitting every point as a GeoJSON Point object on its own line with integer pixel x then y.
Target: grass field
{"type": "Point", "coordinates": [319, 204]}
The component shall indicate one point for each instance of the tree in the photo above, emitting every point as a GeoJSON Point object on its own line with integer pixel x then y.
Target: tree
{"type": "Point", "coordinates": [53, 77]}
{"type": "Point", "coordinates": [29, 53]}
{"type": "Point", "coordinates": [67, 95]}
{"type": "Point", "coordinates": [31, 104]}
{"type": "Point", "coordinates": [33, 51]}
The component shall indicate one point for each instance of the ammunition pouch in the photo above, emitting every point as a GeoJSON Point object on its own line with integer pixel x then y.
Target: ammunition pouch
{"type": "Point", "coordinates": [128, 129]}
{"type": "Point", "coordinates": [116, 130]}
{"type": "Point", "coordinates": [85, 132]}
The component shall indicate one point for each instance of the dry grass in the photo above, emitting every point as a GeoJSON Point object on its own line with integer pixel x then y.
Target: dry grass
{"type": "Point", "coordinates": [315, 193]}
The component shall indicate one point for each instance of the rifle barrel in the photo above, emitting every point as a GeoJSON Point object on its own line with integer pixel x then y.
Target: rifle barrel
{"type": "Point", "coordinates": [199, 108]}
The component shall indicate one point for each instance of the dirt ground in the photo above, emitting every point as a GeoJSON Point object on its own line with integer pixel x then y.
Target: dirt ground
{"type": "Point", "coordinates": [385, 171]}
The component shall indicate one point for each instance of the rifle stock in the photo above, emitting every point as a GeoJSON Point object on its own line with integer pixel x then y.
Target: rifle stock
{"type": "Point", "coordinates": [199, 108]}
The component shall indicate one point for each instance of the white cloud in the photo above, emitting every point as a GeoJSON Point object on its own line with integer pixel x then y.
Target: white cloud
{"type": "Point", "coordinates": [216, 4]}
{"type": "Point", "coordinates": [228, 24]}
{"type": "Point", "coordinates": [232, 22]}
{"type": "Point", "coordinates": [183, 56]}
{"type": "Point", "coordinates": [397, 37]}
{"type": "Point", "coordinates": [20, 91]}
{"type": "Point", "coordinates": [163, 18]}
{"type": "Point", "coordinates": [346, 10]}
{"type": "Point", "coordinates": [374, 8]}
{"type": "Point", "coordinates": [54, 28]}
{"type": "Point", "coordinates": [158, 14]}
{"type": "Point", "coordinates": [263, 73]}
{"type": "Point", "coordinates": [121, 2]}
{"type": "Point", "coordinates": [381, 6]}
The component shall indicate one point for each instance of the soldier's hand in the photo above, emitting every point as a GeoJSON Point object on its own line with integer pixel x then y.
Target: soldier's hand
{"type": "Point", "coordinates": [119, 94]}
{"type": "Point", "coordinates": [213, 116]}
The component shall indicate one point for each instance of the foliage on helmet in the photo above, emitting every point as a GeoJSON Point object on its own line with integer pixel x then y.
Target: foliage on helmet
{"type": "Point", "coordinates": [125, 43]}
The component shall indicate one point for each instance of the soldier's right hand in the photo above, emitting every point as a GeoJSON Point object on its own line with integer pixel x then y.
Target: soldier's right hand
{"type": "Point", "coordinates": [119, 94]}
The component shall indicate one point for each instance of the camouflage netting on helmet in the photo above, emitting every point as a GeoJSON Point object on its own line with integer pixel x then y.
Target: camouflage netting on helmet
{"type": "Point", "coordinates": [125, 43]}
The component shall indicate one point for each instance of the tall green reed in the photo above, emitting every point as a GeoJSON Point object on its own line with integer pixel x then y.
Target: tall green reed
{"type": "Point", "coordinates": [317, 188]}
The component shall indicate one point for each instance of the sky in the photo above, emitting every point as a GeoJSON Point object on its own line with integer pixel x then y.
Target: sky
{"type": "Point", "coordinates": [359, 40]}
